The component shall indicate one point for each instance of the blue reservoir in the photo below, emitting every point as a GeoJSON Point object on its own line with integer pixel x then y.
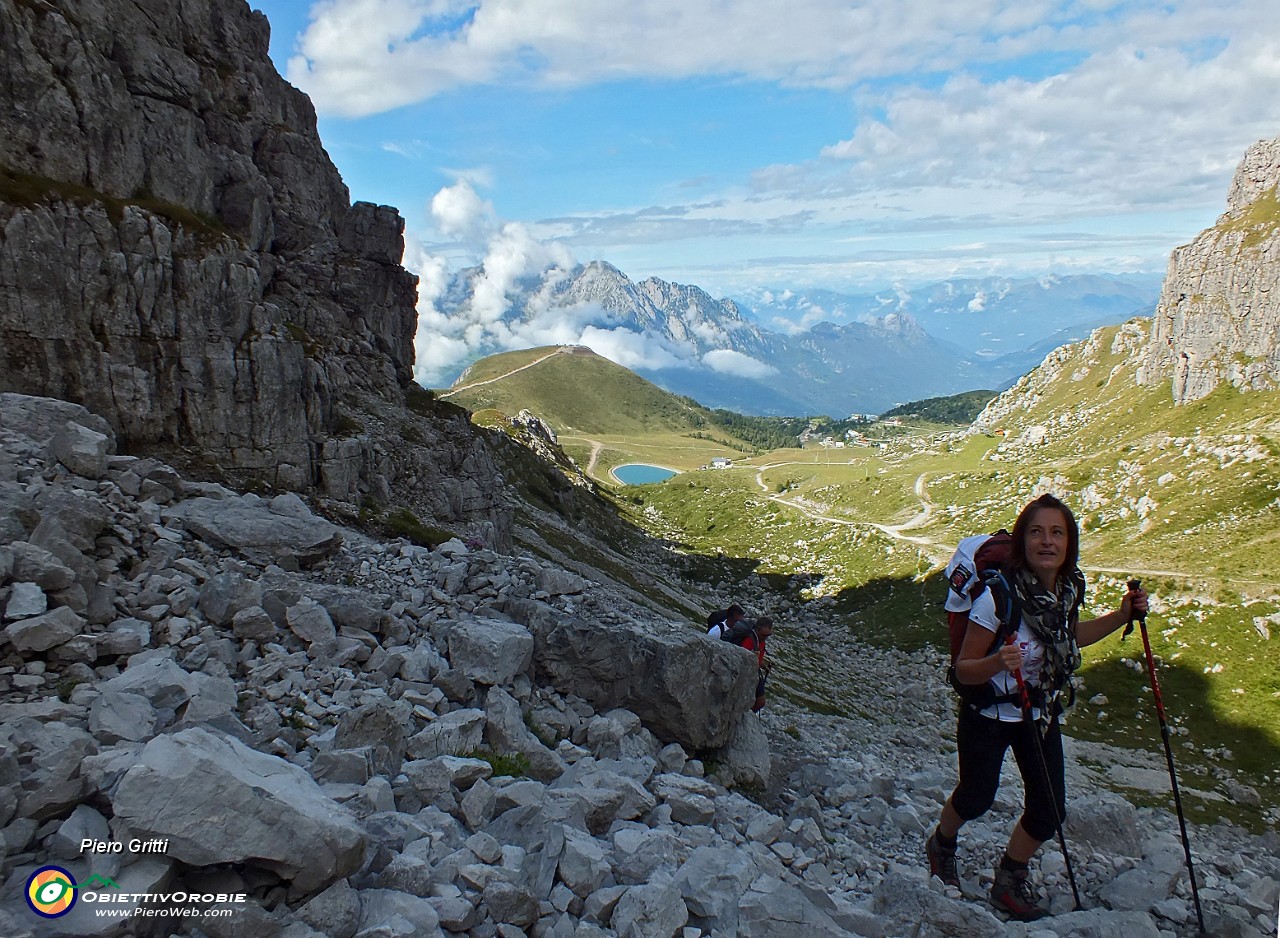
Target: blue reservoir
{"type": "Point", "coordinates": [641, 474]}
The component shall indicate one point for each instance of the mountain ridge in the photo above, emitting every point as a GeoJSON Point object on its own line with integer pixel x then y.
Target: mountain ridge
{"type": "Point", "coordinates": [719, 352]}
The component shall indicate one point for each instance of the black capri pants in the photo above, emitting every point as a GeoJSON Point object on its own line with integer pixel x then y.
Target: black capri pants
{"type": "Point", "coordinates": [982, 743]}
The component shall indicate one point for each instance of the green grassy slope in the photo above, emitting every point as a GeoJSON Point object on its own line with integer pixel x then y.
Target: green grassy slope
{"type": "Point", "coordinates": [1185, 497]}
{"type": "Point", "coordinates": [575, 390]}
{"type": "Point", "coordinates": [606, 415]}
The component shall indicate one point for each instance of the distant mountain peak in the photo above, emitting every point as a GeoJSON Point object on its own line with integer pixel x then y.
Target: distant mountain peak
{"type": "Point", "coordinates": [867, 352]}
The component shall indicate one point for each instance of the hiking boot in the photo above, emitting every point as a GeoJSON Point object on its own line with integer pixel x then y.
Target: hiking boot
{"type": "Point", "coordinates": [942, 861]}
{"type": "Point", "coordinates": [1013, 894]}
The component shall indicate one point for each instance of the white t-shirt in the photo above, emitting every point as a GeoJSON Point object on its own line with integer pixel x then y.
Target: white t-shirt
{"type": "Point", "coordinates": [716, 631]}
{"type": "Point", "coordinates": [983, 613]}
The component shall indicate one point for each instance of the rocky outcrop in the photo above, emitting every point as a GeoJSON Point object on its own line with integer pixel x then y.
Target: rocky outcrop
{"type": "Point", "coordinates": [370, 745]}
{"type": "Point", "coordinates": [1218, 319]}
{"type": "Point", "coordinates": [179, 255]}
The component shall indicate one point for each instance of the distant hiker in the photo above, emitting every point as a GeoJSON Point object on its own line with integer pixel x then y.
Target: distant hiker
{"type": "Point", "coordinates": [1043, 650]}
{"type": "Point", "coordinates": [722, 620]}
{"type": "Point", "coordinates": [751, 636]}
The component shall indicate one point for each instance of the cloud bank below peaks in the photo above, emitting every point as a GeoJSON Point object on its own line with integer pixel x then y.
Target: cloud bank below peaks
{"type": "Point", "coordinates": [512, 300]}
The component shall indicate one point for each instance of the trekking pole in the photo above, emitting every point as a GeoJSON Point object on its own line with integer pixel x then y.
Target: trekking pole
{"type": "Point", "coordinates": [1048, 782]}
{"type": "Point", "coordinates": [1141, 618]}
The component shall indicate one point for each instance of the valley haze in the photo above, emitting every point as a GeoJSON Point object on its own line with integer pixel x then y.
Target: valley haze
{"type": "Point", "coordinates": [821, 353]}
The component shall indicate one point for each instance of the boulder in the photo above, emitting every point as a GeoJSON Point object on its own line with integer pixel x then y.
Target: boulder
{"type": "Point", "coordinates": [375, 726]}
{"type": "Point", "coordinates": [308, 620]}
{"type": "Point", "coordinates": [125, 637]}
{"type": "Point", "coordinates": [159, 679]}
{"type": "Point", "coordinates": [34, 564]}
{"type": "Point", "coordinates": [52, 782]}
{"type": "Point", "coordinates": [224, 595]}
{"type": "Point", "coordinates": [650, 911]}
{"type": "Point", "coordinates": [1138, 890]}
{"type": "Point", "coordinates": [41, 418]}
{"type": "Point", "coordinates": [115, 715]}
{"type": "Point", "coordinates": [26, 600]}
{"type": "Point", "coordinates": [506, 732]}
{"type": "Point", "coordinates": [909, 905]}
{"type": "Point", "coordinates": [454, 734]}
{"type": "Point", "coordinates": [747, 759]}
{"type": "Point", "coordinates": [692, 800]}
{"type": "Point", "coordinates": [47, 631]}
{"type": "Point", "coordinates": [639, 853]}
{"type": "Point", "coordinates": [686, 687]}
{"type": "Point", "coordinates": [389, 913]}
{"type": "Point", "coordinates": [249, 525]}
{"type": "Point", "coordinates": [81, 450]}
{"type": "Point", "coordinates": [490, 651]}
{"type": "Point", "coordinates": [1105, 821]}
{"type": "Point", "coordinates": [511, 903]}
{"type": "Point", "coordinates": [185, 786]}
{"type": "Point", "coordinates": [711, 882]}
{"type": "Point", "coordinates": [584, 864]}
{"type": "Point", "coordinates": [773, 908]}
{"type": "Point", "coordinates": [335, 911]}
{"type": "Point", "coordinates": [252, 624]}
{"type": "Point", "coordinates": [84, 824]}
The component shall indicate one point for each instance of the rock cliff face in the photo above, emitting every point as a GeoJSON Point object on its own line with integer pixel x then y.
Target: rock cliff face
{"type": "Point", "coordinates": [1218, 319]}
{"type": "Point", "coordinates": [179, 255]}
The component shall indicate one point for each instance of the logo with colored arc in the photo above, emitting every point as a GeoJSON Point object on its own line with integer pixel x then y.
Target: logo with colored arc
{"type": "Point", "coordinates": [51, 892]}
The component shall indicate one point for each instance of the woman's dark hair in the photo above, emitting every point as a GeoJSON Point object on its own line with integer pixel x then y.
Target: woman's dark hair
{"type": "Point", "coordinates": [1018, 551]}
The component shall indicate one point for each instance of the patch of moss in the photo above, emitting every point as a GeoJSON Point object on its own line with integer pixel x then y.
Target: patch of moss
{"type": "Point", "coordinates": [512, 764]}
{"type": "Point", "coordinates": [309, 345]}
{"type": "Point", "coordinates": [346, 425]}
{"type": "Point", "coordinates": [30, 190]}
{"type": "Point", "coordinates": [404, 523]}
{"type": "Point", "coordinates": [66, 687]}
{"type": "Point", "coordinates": [420, 400]}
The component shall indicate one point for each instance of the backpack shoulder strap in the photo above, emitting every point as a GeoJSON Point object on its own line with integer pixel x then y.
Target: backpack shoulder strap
{"type": "Point", "coordinates": [1008, 609]}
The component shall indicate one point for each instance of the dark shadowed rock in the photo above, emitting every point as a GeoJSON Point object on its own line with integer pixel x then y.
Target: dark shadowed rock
{"type": "Point", "coordinates": [684, 686]}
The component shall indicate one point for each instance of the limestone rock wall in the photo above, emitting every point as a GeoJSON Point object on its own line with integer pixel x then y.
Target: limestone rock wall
{"type": "Point", "coordinates": [179, 255]}
{"type": "Point", "coordinates": [1218, 319]}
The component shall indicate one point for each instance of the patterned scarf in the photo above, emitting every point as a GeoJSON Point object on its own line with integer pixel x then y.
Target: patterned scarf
{"type": "Point", "coordinates": [1051, 618]}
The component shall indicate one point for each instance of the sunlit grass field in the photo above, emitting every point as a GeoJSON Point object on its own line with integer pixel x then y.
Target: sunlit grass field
{"type": "Point", "coordinates": [1186, 498]}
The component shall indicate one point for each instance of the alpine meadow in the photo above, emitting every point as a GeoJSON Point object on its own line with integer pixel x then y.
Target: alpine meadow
{"type": "Point", "coordinates": [1183, 495]}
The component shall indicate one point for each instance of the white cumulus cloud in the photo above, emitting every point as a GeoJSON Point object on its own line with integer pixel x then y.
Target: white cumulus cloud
{"type": "Point", "coordinates": [460, 213]}
{"type": "Point", "coordinates": [731, 362]}
{"type": "Point", "coordinates": [513, 263]}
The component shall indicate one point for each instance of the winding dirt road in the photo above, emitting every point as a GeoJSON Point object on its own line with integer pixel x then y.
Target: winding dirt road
{"type": "Point", "coordinates": [476, 384]}
{"type": "Point", "coordinates": [937, 551]}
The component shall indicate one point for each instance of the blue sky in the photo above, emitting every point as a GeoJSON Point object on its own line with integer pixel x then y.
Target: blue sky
{"type": "Point", "coordinates": [746, 144]}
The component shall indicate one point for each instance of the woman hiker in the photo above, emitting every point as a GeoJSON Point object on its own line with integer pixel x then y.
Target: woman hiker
{"type": "Point", "coordinates": [1047, 587]}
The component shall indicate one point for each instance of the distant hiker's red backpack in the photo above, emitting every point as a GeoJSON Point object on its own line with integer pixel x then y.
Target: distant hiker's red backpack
{"type": "Point", "coordinates": [974, 556]}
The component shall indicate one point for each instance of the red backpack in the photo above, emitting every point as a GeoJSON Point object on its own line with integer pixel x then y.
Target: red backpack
{"type": "Point", "coordinates": [973, 558]}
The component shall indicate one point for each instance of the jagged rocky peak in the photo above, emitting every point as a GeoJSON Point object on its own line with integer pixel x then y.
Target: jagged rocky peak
{"type": "Point", "coordinates": [1218, 319]}
{"type": "Point", "coordinates": [179, 255]}
{"type": "Point", "coordinates": [178, 252]}
{"type": "Point", "coordinates": [1257, 174]}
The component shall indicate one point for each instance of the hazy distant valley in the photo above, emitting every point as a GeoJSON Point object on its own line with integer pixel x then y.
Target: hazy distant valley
{"type": "Point", "coordinates": [816, 352]}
